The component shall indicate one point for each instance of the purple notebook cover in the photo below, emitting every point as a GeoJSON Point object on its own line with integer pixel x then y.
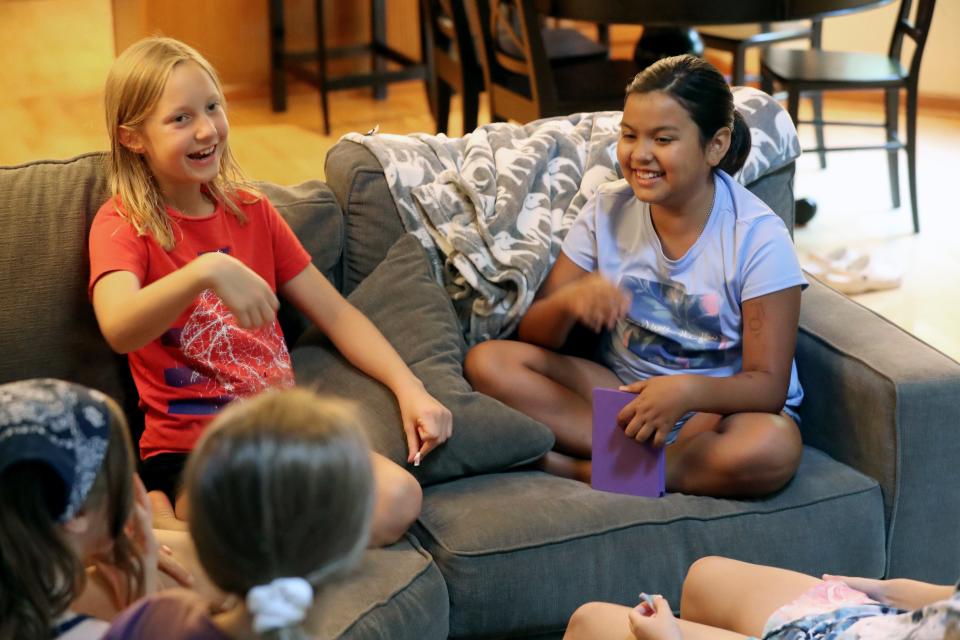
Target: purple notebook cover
{"type": "Point", "coordinates": [621, 464]}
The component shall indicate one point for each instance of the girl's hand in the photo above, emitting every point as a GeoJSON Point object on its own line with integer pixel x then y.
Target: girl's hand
{"type": "Point", "coordinates": [657, 625]}
{"type": "Point", "coordinates": [140, 531]}
{"type": "Point", "coordinates": [426, 422]}
{"type": "Point", "coordinates": [167, 563]}
{"type": "Point", "coordinates": [901, 593]}
{"type": "Point", "coordinates": [596, 302]}
{"type": "Point", "coordinates": [242, 290]}
{"type": "Point", "coordinates": [660, 402]}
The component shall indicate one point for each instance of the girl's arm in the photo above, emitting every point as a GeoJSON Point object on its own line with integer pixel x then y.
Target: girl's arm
{"type": "Point", "coordinates": [426, 422]}
{"type": "Point", "coordinates": [570, 295]}
{"type": "Point", "coordinates": [769, 341]}
{"type": "Point", "coordinates": [131, 316]}
{"type": "Point", "coordinates": [902, 593]}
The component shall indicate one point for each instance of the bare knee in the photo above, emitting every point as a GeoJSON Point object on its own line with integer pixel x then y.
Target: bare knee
{"type": "Point", "coordinates": [754, 458]}
{"type": "Point", "coordinates": [700, 587]}
{"type": "Point", "coordinates": [396, 505]}
{"type": "Point", "coordinates": [588, 621]}
{"type": "Point", "coordinates": [484, 365]}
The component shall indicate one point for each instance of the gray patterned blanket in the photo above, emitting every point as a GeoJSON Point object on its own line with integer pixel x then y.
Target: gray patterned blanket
{"type": "Point", "coordinates": [492, 208]}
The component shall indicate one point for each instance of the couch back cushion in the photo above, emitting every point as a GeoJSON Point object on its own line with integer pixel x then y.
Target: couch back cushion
{"type": "Point", "coordinates": [47, 325]}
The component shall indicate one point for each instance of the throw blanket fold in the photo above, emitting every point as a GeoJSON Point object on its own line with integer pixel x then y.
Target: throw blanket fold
{"type": "Point", "coordinates": [492, 208]}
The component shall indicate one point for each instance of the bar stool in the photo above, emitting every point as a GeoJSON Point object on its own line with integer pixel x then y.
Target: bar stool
{"type": "Point", "coordinates": [294, 62]}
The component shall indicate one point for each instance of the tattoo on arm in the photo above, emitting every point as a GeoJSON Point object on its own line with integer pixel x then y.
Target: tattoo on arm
{"type": "Point", "coordinates": [757, 319]}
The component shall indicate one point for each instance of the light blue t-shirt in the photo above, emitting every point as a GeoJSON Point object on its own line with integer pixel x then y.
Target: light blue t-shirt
{"type": "Point", "coordinates": [686, 313]}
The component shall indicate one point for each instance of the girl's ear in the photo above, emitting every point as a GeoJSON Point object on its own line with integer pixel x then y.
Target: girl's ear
{"type": "Point", "coordinates": [79, 524]}
{"type": "Point", "coordinates": [717, 146]}
{"type": "Point", "coordinates": [131, 139]}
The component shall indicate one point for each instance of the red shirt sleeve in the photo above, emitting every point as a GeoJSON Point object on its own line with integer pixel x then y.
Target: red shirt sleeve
{"type": "Point", "coordinates": [115, 246]}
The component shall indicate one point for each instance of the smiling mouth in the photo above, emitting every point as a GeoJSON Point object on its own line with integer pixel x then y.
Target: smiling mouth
{"type": "Point", "coordinates": [202, 155]}
{"type": "Point", "coordinates": [647, 175]}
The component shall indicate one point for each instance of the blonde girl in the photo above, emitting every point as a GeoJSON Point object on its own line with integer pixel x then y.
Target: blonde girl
{"type": "Point", "coordinates": [186, 263]}
{"type": "Point", "coordinates": [281, 498]}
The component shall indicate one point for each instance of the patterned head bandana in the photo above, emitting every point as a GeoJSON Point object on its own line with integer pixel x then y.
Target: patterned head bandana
{"type": "Point", "coordinates": [59, 424]}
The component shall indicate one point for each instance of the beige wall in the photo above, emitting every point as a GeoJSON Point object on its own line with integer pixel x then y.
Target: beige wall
{"type": "Point", "coordinates": [870, 31]}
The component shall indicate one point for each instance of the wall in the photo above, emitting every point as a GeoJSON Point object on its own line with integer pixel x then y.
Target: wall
{"type": "Point", "coordinates": [234, 36]}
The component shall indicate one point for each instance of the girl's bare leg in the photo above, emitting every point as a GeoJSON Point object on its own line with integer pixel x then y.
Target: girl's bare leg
{"type": "Point", "coordinates": [603, 621]}
{"type": "Point", "coordinates": [397, 501]}
{"type": "Point", "coordinates": [553, 388]}
{"type": "Point", "coordinates": [739, 596]}
{"type": "Point", "coordinates": [745, 454]}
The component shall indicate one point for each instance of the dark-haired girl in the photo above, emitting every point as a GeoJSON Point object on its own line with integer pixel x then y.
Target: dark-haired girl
{"type": "Point", "coordinates": [696, 286]}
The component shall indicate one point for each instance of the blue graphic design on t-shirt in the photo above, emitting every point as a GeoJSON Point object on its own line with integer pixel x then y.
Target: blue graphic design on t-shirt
{"type": "Point", "coordinates": [668, 327]}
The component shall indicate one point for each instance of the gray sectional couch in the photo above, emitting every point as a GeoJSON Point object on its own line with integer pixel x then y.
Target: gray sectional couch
{"type": "Point", "coordinates": [501, 550]}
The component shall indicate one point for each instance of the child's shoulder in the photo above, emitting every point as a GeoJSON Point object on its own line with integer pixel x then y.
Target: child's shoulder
{"type": "Point", "coordinates": [612, 197]}
{"type": "Point", "coordinates": [749, 209]}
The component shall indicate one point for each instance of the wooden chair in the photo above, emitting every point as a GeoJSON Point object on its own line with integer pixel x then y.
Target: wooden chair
{"type": "Point", "coordinates": [812, 70]}
{"type": "Point", "coordinates": [451, 56]}
{"type": "Point", "coordinates": [739, 38]}
{"type": "Point", "coordinates": [523, 82]}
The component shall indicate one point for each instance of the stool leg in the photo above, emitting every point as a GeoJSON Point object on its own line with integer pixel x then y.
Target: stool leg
{"type": "Point", "coordinates": [278, 77]}
{"type": "Point", "coordinates": [891, 113]}
{"type": "Point", "coordinates": [817, 100]}
{"type": "Point", "coordinates": [739, 77]}
{"type": "Point", "coordinates": [322, 65]}
{"type": "Point", "coordinates": [378, 36]}
{"type": "Point", "coordinates": [912, 152]}
{"type": "Point", "coordinates": [816, 42]}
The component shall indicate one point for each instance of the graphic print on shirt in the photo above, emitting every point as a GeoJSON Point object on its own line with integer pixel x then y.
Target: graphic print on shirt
{"type": "Point", "coordinates": [226, 359]}
{"type": "Point", "coordinates": [668, 327]}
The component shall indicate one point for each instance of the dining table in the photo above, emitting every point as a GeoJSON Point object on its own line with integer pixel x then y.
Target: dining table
{"type": "Point", "coordinates": [696, 12]}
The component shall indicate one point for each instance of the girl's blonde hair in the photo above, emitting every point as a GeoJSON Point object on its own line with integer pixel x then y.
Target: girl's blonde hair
{"type": "Point", "coordinates": [134, 86]}
{"type": "Point", "coordinates": [280, 486]}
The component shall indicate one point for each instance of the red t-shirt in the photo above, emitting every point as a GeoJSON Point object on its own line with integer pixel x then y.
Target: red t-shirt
{"type": "Point", "coordinates": [205, 359]}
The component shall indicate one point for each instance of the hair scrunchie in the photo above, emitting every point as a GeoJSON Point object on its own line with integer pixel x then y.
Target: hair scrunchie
{"type": "Point", "coordinates": [282, 603]}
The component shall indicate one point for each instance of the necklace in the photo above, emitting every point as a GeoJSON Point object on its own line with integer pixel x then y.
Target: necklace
{"type": "Point", "coordinates": [706, 218]}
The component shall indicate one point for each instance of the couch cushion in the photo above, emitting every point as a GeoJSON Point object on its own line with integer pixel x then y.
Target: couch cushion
{"type": "Point", "coordinates": [312, 212]}
{"type": "Point", "coordinates": [47, 326]}
{"type": "Point", "coordinates": [416, 316]}
{"type": "Point", "coordinates": [524, 564]}
{"type": "Point", "coordinates": [396, 594]}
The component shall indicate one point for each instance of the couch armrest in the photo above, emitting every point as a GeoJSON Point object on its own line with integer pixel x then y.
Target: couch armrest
{"type": "Point", "coordinates": [885, 403]}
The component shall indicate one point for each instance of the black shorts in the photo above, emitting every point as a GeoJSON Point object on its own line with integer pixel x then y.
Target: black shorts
{"type": "Point", "coordinates": [163, 472]}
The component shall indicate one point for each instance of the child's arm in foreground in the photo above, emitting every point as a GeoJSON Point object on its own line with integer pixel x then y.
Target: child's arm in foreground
{"type": "Point", "coordinates": [902, 593]}
{"type": "Point", "coordinates": [769, 340]}
{"type": "Point", "coordinates": [426, 422]}
{"type": "Point", "coordinates": [570, 295]}
{"type": "Point", "coordinates": [131, 315]}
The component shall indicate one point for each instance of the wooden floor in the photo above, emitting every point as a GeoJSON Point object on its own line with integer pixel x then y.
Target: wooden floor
{"type": "Point", "coordinates": [57, 53]}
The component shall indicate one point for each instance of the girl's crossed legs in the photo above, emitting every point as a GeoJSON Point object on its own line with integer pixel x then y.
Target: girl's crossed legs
{"type": "Point", "coordinates": [742, 454]}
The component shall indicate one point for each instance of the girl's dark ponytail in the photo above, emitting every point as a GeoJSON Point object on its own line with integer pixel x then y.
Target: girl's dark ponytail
{"type": "Point", "coordinates": [740, 143]}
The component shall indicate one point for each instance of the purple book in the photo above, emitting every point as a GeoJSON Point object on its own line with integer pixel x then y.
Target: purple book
{"type": "Point", "coordinates": [621, 464]}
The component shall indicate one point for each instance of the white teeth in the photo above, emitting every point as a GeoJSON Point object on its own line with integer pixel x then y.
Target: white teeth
{"type": "Point", "coordinates": [648, 175]}
{"type": "Point", "coordinates": [200, 155]}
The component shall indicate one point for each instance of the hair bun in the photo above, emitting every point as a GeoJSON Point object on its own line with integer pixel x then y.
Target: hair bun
{"type": "Point", "coordinates": [282, 603]}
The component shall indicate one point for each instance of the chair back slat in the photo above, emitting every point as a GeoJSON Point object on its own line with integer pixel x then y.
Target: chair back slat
{"type": "Point", "coordinates": [917, 30]}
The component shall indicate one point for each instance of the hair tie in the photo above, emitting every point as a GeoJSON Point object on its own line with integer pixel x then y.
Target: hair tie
{"type": "Point", "coordinates": [282, 603]}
